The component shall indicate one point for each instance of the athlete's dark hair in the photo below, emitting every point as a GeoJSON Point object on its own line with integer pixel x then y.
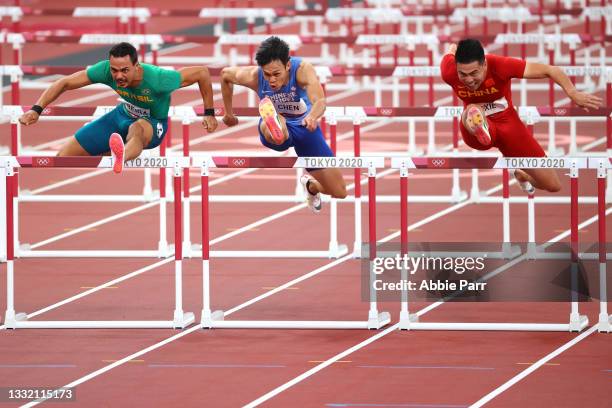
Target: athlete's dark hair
{"type": "Point", "coordinates": [469, 50]}
{"type": "Point", "coordinates": [272, 48]}
{"type": "Point", "coordinates": [123, 49]}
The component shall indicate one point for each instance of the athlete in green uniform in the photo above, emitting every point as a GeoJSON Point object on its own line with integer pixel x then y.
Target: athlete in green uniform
{"type": "Point", "coordinates": [141, 119]}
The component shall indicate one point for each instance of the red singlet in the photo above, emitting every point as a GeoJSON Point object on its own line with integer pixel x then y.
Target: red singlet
{"type": "Point", "coordinates": [508, 132]}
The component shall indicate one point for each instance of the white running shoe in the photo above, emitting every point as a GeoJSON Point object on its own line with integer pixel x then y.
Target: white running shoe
{"type": "Point", "coordinates": [526, 186]}
{"type": "Point", "coordinates": [314, 200]}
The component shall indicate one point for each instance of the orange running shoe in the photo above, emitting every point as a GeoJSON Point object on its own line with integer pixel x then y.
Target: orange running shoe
{"type": "Point", "coordinates": [115, 143]}
{"type": "Point", "coordinates": [474, 115]}
{"type": "Point", "coordinates": [270, 118]}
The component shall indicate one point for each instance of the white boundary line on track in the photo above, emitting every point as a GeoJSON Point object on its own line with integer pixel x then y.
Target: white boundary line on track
{"type": "Point", "coordinates": [523, 374]}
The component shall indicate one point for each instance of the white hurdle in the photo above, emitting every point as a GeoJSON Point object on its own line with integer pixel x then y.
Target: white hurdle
{"type": "Point", "coordinates": [576, 322]}
{"type": "Point", "coordinates": [216, 319]}
{"type": "Point", "coordinates": [13, 320]}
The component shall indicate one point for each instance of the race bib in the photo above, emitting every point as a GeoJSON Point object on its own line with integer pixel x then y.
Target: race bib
{"type": "Point", "coordinates": [494, 107]}
{"type": "Point", "coordinates": [291, 108]}
{"type": "Point", "coordinates": [137, 111]}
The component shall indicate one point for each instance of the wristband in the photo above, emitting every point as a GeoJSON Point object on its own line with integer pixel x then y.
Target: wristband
{"type": "Point", "coordinates": [209, 112]}
{"type": "Point", "coordinates": [37, 108]}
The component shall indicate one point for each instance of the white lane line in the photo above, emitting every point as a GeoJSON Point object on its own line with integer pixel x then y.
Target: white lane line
{"type": "Point", "coordinates": [532, 368]}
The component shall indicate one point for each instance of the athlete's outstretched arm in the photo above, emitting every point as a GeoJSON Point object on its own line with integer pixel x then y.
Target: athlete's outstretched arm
{"type": "Point", "coordinates": [191, 75]}
{"type": "Point", "coordinates": [582, 99]}
{"type": "Point", "coordinates": [307, 78]}
{"type": "Point", "coordinates": [230, 76]}
{"type": "Point", "coordinates": [74, 81]}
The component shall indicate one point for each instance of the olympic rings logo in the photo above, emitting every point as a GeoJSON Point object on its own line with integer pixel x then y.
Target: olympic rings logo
{"type": "Point", "coordinates": [386, 112]}
{"type": "Point", "coordinates": [560, 111]}
{"type": "Point", "coordinates": [238, 162]}
{"type": "Point", "coordinates": [42, 161]}
{"type": "Point", "coordinates": [438, 162]}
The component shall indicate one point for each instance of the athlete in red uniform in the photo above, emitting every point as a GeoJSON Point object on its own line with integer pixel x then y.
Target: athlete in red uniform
{"type": "Point", "coordinates": [489, 118]}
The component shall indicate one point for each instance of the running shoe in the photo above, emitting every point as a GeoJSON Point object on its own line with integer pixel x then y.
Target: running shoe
{"type": "Point", "coordinates": [115, 143]}
{"type": "Point", "coordinates": [313, 200]}
{"type": "Point", "coordinates": [270, 118]}
{"type": "Point", "coordinates": [526, 186]}
{"type": "Point", "coordinates": [474, 115]}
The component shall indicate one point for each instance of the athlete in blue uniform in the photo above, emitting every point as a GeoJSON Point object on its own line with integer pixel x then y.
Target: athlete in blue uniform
{"type": "Point", "coordinates": [289, 87]}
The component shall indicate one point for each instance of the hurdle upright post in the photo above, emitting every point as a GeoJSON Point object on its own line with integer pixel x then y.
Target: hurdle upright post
{"type": "Point", "coordinates": [162, 247]}
{"type": "Point", "coordinates": [3, 216]}
{"type": "Point", "coordinates": [375, 319]}
{"type": "Point", "coordinates": [507, 249]}
{"type": "Point", "coordinates": [10, 316]}
{"type": "Point", "coordinates": [181, 319]}
{"type": "Point", "coordinates": [577, 322]}
{"type": "Point", "coordinates": [357, 178]}
{"type": "Point", "coordinates": [186, 195]}
{"type": "Point", "coordinates": [609, 130]}
{"type": "Point", "coordinates": [605, 320]}
{"type": "Point", "coordinates": [206, 320]}
{"type": "Point", "coordinates": [404, 323]}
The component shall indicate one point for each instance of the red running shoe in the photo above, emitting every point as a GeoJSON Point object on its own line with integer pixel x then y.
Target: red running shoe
{"type": "Point", "coordinates": [116, 147]}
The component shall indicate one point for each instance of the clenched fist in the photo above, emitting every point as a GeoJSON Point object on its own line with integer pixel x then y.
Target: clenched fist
{"type": "Point", "coordinates": [29, 118]}
{"type": "Point", "coordinates": [209, 123]}
{"type": "Point", "coordinates": [230, 120]}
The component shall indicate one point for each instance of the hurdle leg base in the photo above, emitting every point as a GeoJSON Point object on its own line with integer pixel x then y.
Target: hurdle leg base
{"type": "Point", "coordinates": [187, 250]}
{"type": "Point", "coordinates": [11, 319]}
{"type": "Point", "coordinates": [336, 251]}
{"type": "Point", "coordinates": [532, 250]}
{"type": "Point", "coordinates": [406, 320]}
{"type": "Point", "coordinates": [605, 323]}
{"type": "Point", "coordinates": [182, 320]}
{"type": "Point", "coordinates": [357, 250]}
{"type": "Point", "coordinates": [379, 320]}
{"type": "Point", "coordinates": [209, 319]}
{"type": "Point", "coordinates": [164, 250]}
{"type": "Point", "coordinates": [151, 195]}
{"type": "Point", "coordinates": [578, 322]}
{"type": "Point", "coordinates": [25, 247]}
{"type": "Point", "coordinates": [458, 196]}
{"type": "Point", "coordinates": [510, 251]}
